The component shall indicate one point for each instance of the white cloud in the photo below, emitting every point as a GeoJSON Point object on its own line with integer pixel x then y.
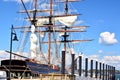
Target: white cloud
{"type": "Point", "coordinates": [112, 60]}
{"type": "Point", "coordinates": [109, 60]}
{"type": "Point", "coordinates": [100, 51]}
{"type": "Point", "coordinates": [93, 57]}
{"type": "Point", "coordinates": [3, 55]}
{"type": "Point", "coordinates": [6, 55]}
{"type": "Point", "coordinates": [107, 38]}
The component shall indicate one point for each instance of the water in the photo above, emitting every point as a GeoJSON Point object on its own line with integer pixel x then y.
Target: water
{"type": "Point", "coordinates": [117, 77]}
{"type": "Point", "coordinates": [86, 78]}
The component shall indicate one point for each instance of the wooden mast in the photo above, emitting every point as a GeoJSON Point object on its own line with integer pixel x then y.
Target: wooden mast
{"type": "Point", "coordinates": [50, 25]}
{"type": "Point", "coordinates": [34, 14]}
{"type": "Point", "coordinates": [49, 32]}
{"type": "Point", "coordinates": [65, 34]}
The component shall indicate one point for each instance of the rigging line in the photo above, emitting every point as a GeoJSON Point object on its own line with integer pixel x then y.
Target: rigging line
{"type": "Point", "coordinates": [44, 36]}
{"type": "Point", "coordinates": [18, 47]}
{"type": "Point", "coordinates": [72, 45]}
{"type": "Point", "coordinates": [23, 73]}
{"type": "Point", "coordinates": [6, 68]}
{"type": "Point", "coordinates": [26, 37]}
{"type": "Point", "coordinates": [39, 41]}
{"type": "Point", "coordinates": [26, 10]}
{"type": "Point", "coordinates": [59, 9]}
{"type": "Point", "coordinates": [40, 48]}
{"type": "Point", "coordinates": [16, 16]}
{"type": "Point", "coordinates": [55, 43]}
{"type": "Point", "coordinates": [73, 8]}
{"type": "Point", "coordinates": [25, 40]}
{"type": "Point", "coordinates": [81, 37]}
{"type": "Point", "coordinates": [69, 43]}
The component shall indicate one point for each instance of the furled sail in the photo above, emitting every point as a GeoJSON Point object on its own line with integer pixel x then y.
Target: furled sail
{"type": "Point", "coordinates": [42, 21]}
{"type": "Point", "coordinates": [65, 20]}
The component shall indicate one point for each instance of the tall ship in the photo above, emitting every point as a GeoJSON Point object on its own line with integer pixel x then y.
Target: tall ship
{"type": "Point", "coordinates": [49, 27]}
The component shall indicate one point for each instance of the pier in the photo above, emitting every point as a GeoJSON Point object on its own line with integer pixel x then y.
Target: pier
{"type": "Point", "coordinates": [86, 69]}
{"type": "Point", "coordinates": [81, 69]}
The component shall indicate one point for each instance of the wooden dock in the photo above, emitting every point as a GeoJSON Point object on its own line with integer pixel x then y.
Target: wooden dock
{"type": "Point", "coordinates": [51, 77]}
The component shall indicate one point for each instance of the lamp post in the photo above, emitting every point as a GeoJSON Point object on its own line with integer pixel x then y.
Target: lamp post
{"type": "Point", "coordinates": [11, 39]}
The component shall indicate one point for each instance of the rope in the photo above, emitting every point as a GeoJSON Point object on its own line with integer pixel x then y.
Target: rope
{"type": "Point", "coordinates": [23, 73]}
{"type": "Point", "coordinates": [6, 68]}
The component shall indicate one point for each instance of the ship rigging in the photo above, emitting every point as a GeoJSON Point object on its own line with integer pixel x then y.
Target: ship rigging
{"type": "Point", "coordinates": [52, 24]}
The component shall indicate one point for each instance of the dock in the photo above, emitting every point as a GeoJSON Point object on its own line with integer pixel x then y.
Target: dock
{"type": "Point", "coordinates": [51, 77]}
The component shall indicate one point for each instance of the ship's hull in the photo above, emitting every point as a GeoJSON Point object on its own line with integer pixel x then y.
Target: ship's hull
{"type": "Point", "coordinates": [23, 68]}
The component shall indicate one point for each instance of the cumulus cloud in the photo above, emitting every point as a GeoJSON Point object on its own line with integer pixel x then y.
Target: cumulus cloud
{"type": "Point", "coordinates": [6, 55]}
{"type": "Point", "coordinates": [112, 60]}
{"type": "Point", "coordinates": [100, 51]}
{"type": "Point", "coordinates": [3, 55]}
{"type": "Point", "coordinates": [109, 60]}
{"type": "Point", "coordinates": [93, 57]}
{"type": "Point", "coordinates": [107, 38]}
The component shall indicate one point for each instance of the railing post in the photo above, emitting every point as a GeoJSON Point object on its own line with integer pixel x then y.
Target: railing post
{"type": "Point", "coordinates": [86, 67]}
{"type": "Point", "coordinates": [73, 67]}
{"type": "Point", "coordinates": [100, 69]}
{"type": "Point", "coordinates": [109, 77]}
{"type": "Point", "coordinates": [106, 72]}
{"type": "Point", "coordinates": [73, 63]}
{"type": "Point", "coordinates": [80, 65]}
{"type": "Point", "coordinates": [103, 72]}
{"type": "Point", "coordinates": [63, 63]}
{"type": "Point", "coordinates": [96, 69]}
{"type": "Point", "coordinates": [113, 73]}
{"type": "Point", "coordinates": [91, 70]}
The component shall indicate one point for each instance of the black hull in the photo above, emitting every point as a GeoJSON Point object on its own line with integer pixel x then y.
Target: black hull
{"type": "Point", "coordinates": [28, 68]}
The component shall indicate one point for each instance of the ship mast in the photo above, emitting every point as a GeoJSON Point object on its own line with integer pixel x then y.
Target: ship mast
{"type": "Point", "coordinates": [47, 23]}
{"type": "Point", "coordinates": [65, 34]}
{"type": "Point", "coordinates": [49, 32]}
{"type": "Point", "coordinates": [34, 14]}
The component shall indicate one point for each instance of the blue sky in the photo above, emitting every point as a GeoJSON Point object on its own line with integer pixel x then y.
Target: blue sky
{"type": "Point", "coordinates": [103, 17]}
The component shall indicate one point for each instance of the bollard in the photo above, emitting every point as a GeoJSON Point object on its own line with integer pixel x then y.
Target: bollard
{"type": "Point", "coordinates": [96, 69]}
{"type": "Point", "coordinates": [91, 71]}
{"type": "Point", "coordinates": [107, 72]}
{"type": "Point", "coordinates": [73, 63]}
{"type": "Point", "coordinates": [86, 67]}
{"type": "Point", "coordinates": [100, 69]}
{"type": "Point", "coordinates": [103, 72]}
{"type": "Point", "coordinates": [63, 63]}
{"type": "Point", "coordinates": [80, 65]}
